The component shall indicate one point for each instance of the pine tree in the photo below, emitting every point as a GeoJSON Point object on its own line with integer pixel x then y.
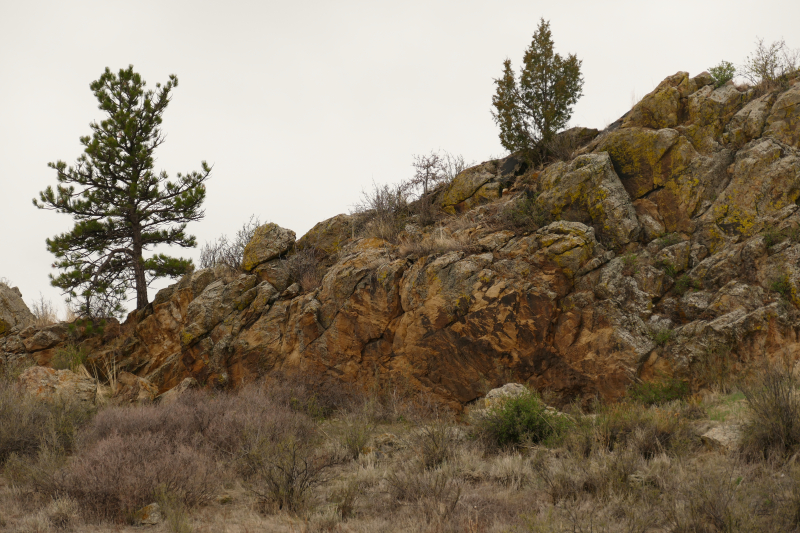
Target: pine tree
{"type": "Point", "coordinates": [531, 109]}
{"type": "Point", "coordinates": [121, 205]}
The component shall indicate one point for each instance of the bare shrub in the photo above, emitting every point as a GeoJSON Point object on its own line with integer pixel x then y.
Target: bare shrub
{"type": "Point", "coordinates": [769, 65]}
{"type": "Point", "coordinates": [773, 424]}
{"type": "Point", "coordinates": [29, 424]}
{"type": "Point", "coordinates": [62, 512]}
{"type": "Point", "coordinates": [117, 475]}
{"type": "Point", "coordinates": [229, 251]}
{"type": "Point", "coordinates": [174, 510]}
{"type": "Point", "coordinates": [435, 493]}
{"type": "Point", "coordinates": [44, 312]}
{"type": "Point", "coordinates": [434, 442]}
{"type": "Point", "coordinates": [306, 267]}
{"type": "Point", "coordinates": [281, 467]}
{"type": "Point", "coordinates": [434, 169]}
{"type": "Point", "coordinates": [381, 212]}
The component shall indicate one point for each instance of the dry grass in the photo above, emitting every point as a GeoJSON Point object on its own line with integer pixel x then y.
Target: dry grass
{"type": "Point", "coordinates": [44, 311]}
{"type": "Point", "coordinates": [306, 457]}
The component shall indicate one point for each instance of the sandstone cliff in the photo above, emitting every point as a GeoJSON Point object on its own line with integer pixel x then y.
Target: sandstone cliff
{"type": "Point", "coordinates": [669, 244]}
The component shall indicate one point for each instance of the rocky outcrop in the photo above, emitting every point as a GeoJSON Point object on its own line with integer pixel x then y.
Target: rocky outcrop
{"type": "Point", "coordinates": [670, 246]}
{"type": "Point", "coordinates": [269, 241]}
{"type": "Point", "coordinates": [14, 314]}
{"type": "Point", "coordinates": [50, 384]}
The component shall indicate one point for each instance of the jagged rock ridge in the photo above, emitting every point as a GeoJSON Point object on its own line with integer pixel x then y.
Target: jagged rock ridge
{"type": "Point", "coordinates": [673, 250]}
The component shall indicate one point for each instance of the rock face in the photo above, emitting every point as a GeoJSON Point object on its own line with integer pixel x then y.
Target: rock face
{"type": "Point", "coordinates": [49, 384]}
{"type": "Point", "coordinates": [269, 242]}
{"type": "Point", "coordinates": [14, 314]}
{"type": "Point", "coordinates": [673, 249]}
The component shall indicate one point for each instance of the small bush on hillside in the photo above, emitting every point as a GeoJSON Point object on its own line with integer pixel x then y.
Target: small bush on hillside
{"type": "Point", "coordinates": [29, 424]}
{"type": "Point", "coordinates": [773, 425]}
{"type": "Point", "coordinates": [69, 357]}
{"type": "Point", "coordinates": [782, 286]}
{"type": "Point", "coordinates": [684, 284]}
{"type": "Point", "coordinates": [661, 391]}
{"type": "Point", "coordinates": [434, 442]}
{"type": "Point", "coordinates": [668, 268]}
{"type": "Point", "coordinates": [722, 73]}
{"type": "Point", "coordinates": [382, 212]}
{"type": "Point", "coordinates": [630, 263]}
{"type": "Point", "coordinates": [668, 240]}
{"type": "Point", "coordinates": [434, 493]}
{"type": "Point", "coordinates": [769, 66]}
{"type": "Point", "coordinates": [647, 431]}
{"type": "Point", "coordinates": [282, 468]}
{"type": "Point", "coordinates": [662, 336]}
{"type": "Point", "coordinates": [521, 419]}
{"type": "Point", "coordinates": [525, 213]}
{"type": "Point", "coordinates": [306, 267]}
{"type": "Point", "coordinates": [44, 311]}
{"type": "Point", "coordinates": [229, 251]}
{"type": "Point", "coordinates": [117, 475]}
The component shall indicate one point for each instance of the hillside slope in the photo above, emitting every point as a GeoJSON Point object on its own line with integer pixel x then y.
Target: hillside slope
{"type": "Point", "coordinates": [667, 244]}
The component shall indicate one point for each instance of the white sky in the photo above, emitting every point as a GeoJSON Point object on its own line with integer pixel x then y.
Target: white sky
{"type": "Point", "coordinates": [301, 104]}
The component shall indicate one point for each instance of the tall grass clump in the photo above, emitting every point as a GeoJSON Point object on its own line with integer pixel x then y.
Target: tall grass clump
{"type": "Point", "coordinates": [772, 426]}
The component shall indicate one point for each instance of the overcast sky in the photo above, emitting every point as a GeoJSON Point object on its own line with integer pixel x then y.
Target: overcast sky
{"type": "Point", "coordinates": [299, 105]}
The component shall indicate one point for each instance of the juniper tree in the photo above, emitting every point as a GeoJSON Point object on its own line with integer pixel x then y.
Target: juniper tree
{"type": "Point", "coordinates": [531, 109]}
{"type": "Point", "coordinates": [122, 207]}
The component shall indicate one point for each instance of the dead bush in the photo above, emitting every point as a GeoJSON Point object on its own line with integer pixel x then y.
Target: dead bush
{"type": "Point", "coordinates": [773, 423]}
{"type": "Point", "coordinates": [382, 212]}
{"type": "Point", "coordinates": [306, 267]}
{"type": "Point", "coordinates": [435, 493]}
{"type": "Point", "coordinates": [434, 442]}
{"type": "Point", "coordinates": [281, 468]}
{"type": "Point", "coordinates": [229, 251]}
{"type": "Point", "coordinates": [30, 424]}
{"type": "Point", "coordinates": [117, 475]}
{"type": "Point", "coordinates": [435, 245]}
{"type": "Point", "coordinates": [770, 66]}
{"type": "Point", "coordinates": [44, 311]}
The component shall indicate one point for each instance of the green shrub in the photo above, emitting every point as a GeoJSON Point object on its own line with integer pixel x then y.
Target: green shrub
{"type": "Point", "coordinates": [662, 336]}
{"type": "Point", "coordinates": [629, 264]}
{"type": "Point", "coordinates": [664, 390]}
{"type": "Point", "coordinates": [782, 286]}
{"type": "Point", "coordinates": [668, 268]}
{"type": "Point", "coordinates": [668, 240]}
{"type": "Point", "coordinates": [523, 418]}
{"type": "Point", "coordinates": [70, 357]}
{"type": "Point", "coordinates": [722, 73]}
{"type": "Point", "coordinates": [684, 283]}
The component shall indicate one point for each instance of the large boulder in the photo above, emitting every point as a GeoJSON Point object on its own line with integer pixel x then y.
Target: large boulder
{"type": "Point", "coordinates": [50, 384]}
{"type": "Point", "coordinates": [588, 190]}
{"type": "Point", "coordinates": [783, 122]}
{"type": "Point", "coordinates": [269, 242]}
{"type": "Point", "coordinates": [14, 314]}
{"type": "Point", "coordinates": [329, 235]}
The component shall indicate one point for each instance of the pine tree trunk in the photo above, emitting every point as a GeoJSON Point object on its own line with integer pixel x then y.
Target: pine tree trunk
{"type": "Point", "coordinates": [138, 268]}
